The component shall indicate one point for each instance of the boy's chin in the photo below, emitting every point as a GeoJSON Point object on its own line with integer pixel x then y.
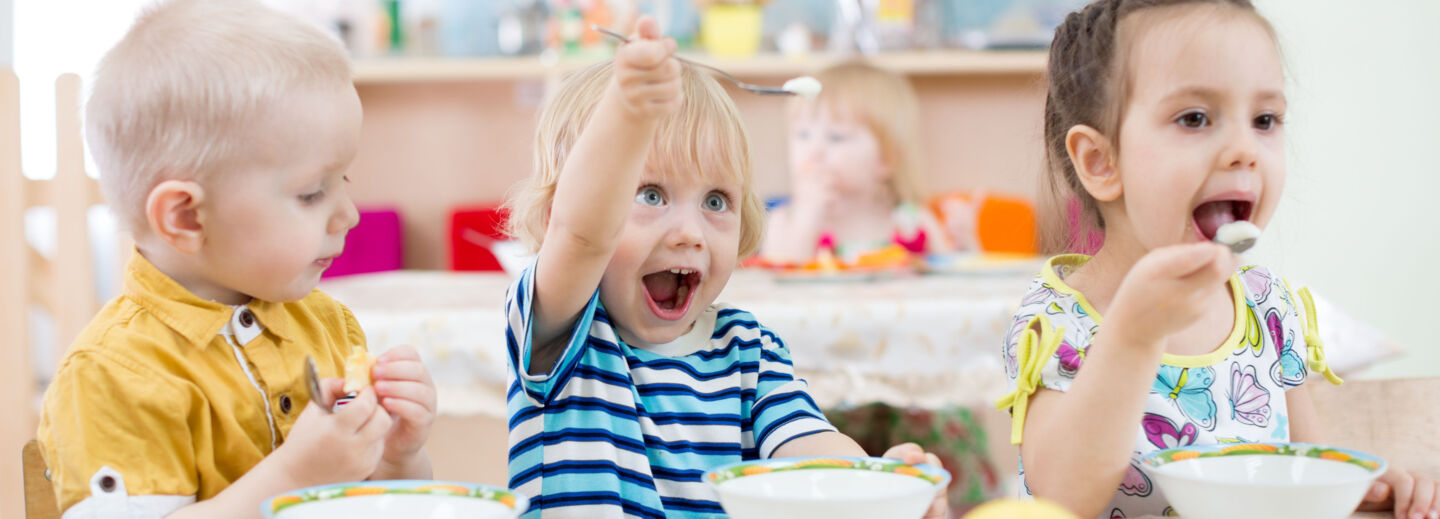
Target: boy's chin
{"type": "Point", "coordinates": [654, 331]}
{"type": "Point", "coordinates": [289, 294]}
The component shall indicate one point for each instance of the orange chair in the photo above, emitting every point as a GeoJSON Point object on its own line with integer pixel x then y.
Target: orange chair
{"type": "Point", "coordinates": [999, 223]}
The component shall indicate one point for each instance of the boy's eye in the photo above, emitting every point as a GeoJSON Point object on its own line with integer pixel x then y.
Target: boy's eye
{"type": "Point", "coordinates": [716, 202]}
{"type": "Point", "coordinates": [312, 197]}
{"type": "Point", "coordinates": [650, 196]}
{"type": "Point", "coordinates": [837, 137]}
{"type": "Point", "coordinates": [1194, 120]}
{"type": "Point", "coordinates": [1267, 121]}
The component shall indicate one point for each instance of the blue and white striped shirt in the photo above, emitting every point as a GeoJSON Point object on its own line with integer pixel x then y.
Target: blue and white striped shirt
{"type": "Point", "coordinates": [614, 431]}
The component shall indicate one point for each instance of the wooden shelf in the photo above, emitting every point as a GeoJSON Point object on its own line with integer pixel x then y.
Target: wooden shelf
{"type": "Point", "coordinates": [918, 63]}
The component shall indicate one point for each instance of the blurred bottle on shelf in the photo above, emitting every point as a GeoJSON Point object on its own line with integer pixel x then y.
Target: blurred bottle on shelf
{"type": "Point", "coordinates": [894, 22]}
{"type": "Point", "coordinates": [469, 28]}
{"type": "Point", "coordinates": [854, 28]}
{"type": "Point", "coordinates": [421, 23]}
{"type": "Point", "coordinates": [1000, 24]}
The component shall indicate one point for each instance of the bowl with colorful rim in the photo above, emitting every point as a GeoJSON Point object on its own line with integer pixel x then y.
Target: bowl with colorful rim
{"type": "Point", "coordinates": [397, 498]}
{"type": "Point", "coordinates": [1229, 480]}
{"type": "Point", "coordinates": [827, 488]}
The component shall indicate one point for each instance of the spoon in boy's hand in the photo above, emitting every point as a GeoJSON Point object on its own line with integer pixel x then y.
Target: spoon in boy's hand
{"type": "Point", "coordinates": [803, 86]}
{"type": "Point", "coordinates": [312, 383]}
{"type": "Point", "coordinates": [1239, 236]}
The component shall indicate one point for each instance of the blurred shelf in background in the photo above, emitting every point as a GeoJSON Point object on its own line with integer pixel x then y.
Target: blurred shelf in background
{"type": "Point", "coordinates": [915, 63]}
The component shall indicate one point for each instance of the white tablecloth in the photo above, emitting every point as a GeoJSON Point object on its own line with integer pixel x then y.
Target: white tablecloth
{"type": "Point", "coordinates": [926, 341]}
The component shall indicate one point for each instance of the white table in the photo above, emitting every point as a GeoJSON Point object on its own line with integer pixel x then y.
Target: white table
{"type": "Point", "coordinates": [925, 341]}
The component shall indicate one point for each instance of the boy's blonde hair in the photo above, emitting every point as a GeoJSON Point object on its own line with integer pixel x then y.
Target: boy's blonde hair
{"type": "Point", "coordinates": [886, 104]}
{"type": "Point", "coordinates": [706, 135]}
{"type": "Point", "coordinates": [178, 97]}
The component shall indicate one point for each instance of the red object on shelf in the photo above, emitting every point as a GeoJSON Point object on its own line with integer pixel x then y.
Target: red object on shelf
{"type": "Point", "coordinates": [472, 231]}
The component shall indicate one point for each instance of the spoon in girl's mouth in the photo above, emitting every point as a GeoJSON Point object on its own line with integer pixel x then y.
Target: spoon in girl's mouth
{"type": "Point", "coordinates": [1240, 235]}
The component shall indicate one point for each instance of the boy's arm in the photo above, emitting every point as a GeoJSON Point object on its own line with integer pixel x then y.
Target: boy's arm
{"type": "Point", "coordinates": [243, 497]}
{"type": "Point", "coordinates": [322, 448]}
{"type": "Point", "coordinates": [113, 430]}
{"type": "Point", "coordinates": [597, 186]}
{"type": "Point", "coordinates": [823, 443]}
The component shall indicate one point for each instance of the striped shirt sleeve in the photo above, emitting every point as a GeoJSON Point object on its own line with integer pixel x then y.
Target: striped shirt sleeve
{"type": "Point", "coordinates": [783, 411]}
{"type": "Point", "coordinates": [540, 389]}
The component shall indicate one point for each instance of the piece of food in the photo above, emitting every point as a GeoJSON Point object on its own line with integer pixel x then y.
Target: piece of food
{"type": "Point", "coordinates": [357, 371]}
{"type": "Point", "coordinates": [1238, 235]}
{"type": "Point", "coordinates": [806, 86]}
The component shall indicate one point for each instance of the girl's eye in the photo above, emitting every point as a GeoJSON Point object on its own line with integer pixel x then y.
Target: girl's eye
{"type": "Point", "coordinates": [1194, 120]}
{"type": "Point", "coordinates": [716, 202]}
{"type": "Point", "coordinates": [1267, 121]}
{"type": "Point", "coordinates": [312, 197]}
{"type": "Point", "coordinates": [836, 137]}
{"type": "Point", "coordinates": [650, 196]}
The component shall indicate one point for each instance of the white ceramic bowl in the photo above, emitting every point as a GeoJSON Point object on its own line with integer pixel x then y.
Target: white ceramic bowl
{"type": "Point", "coordinates": [827, 488]}
{"type": "Point", "coordinates": [1272, 480]}
{"type": "Point", "coordinates": [401, 498]}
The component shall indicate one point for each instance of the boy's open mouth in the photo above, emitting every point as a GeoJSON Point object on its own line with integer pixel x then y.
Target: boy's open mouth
{"type": "Point", "coordinates": [670, 291]}
{"type": "Point", "coordinates": [1211, 215]}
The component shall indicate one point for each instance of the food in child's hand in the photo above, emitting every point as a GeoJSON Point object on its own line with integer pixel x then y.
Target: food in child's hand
{"type": "Point", "coordinates": [357, 371]}
{"type": "Point", "coordinates": [1240, 236]}
{"type": "Point", "coordinates": [806, 86]}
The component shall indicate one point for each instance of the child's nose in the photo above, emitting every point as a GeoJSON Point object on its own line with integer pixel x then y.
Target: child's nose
{"type": "Point", "coordinates": [1241, 149]}
{"type": "Point", "coordinates": [346, 216]}
{"type": "Point", "coordinates": [687, 232]}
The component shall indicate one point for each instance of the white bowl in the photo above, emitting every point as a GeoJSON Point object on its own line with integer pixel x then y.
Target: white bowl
{"type": "Point", "coordinates": [1272, 480]}
{"type": "Point", "coordinates": [401, 498]}
{"type": "Point", "coordinates": [827, 488]}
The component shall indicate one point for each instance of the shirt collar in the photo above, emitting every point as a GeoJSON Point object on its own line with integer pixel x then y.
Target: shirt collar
{"type": "Point", "coordinates": [196, 319]}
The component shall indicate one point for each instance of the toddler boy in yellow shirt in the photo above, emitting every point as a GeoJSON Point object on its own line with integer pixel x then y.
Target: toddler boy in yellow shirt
{"type": "Point", "coordinates": [222, 131]}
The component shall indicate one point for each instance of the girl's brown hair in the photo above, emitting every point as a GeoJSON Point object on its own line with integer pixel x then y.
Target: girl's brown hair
{"type": "Point", "coordinates": [1088, 84]}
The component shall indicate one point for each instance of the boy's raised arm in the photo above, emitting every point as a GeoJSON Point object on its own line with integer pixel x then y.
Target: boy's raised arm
{"type": "Point", "coordinates": [597, 185]}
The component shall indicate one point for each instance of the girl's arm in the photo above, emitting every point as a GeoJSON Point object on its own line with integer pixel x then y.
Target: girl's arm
{"type": "Point", "coordinates": [1077, 444]}
{"type": "Point", "coordinates": [792, 236]}
{"type": "Point", "coordinates": [597, 187]}
{"type": "Point", "coordinates": [1100, 411]}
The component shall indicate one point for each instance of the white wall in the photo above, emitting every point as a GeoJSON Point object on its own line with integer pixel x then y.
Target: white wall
{"type": "Point", "coordinates": [7, 32]}
{"type": "Point", "coordinates": [1358, 222]}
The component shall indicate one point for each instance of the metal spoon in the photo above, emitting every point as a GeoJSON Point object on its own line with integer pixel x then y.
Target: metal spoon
{"type": "Point", "coordinates": [312, 383]}
{"type": "Point", "coordinates": [1239, 236]}
{"type": "Point", "coordinates": [762, 90]}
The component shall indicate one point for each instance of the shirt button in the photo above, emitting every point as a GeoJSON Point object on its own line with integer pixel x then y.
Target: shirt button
{"type": "Point", "coordinates": [247, 318]}
{"type": "Point", "coordinates": [285, 404]}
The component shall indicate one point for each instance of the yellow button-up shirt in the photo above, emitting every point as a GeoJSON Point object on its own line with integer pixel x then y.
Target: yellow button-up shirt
{"type": "Point", "coordinates": [167, 398]}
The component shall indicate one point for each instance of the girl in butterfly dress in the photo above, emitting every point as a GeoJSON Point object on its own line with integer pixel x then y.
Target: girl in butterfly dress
{"type": "Point", "coordinates": [1166, 119]}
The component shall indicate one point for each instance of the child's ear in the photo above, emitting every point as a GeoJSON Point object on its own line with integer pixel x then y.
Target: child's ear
{"type": "Point", "coordinates": [172, 210]}
{"type": "Point", "coordinates": [1092, 155]}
